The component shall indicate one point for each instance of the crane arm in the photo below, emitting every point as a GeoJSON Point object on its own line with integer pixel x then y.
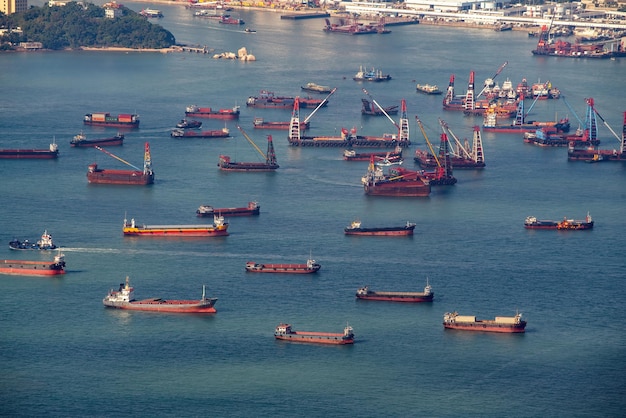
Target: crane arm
{"type": "Point", "coordinates": [251, 142]}
{"type": "Point", "coordinates": [117, 158]}
{"type": "Point", "coordinates": [493, 78]}
{"type": "Point", "coordinates": [320, 105]}
{"type": "Point", "coordinates": [432, 151]}
{"type": "Point", "coordinates": [381, 108]}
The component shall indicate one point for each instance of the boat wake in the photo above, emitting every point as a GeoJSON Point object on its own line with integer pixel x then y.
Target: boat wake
{"type": "Point", "coordinates": [332, 182]}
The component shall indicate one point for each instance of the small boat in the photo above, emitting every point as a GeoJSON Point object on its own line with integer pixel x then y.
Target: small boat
{"type": "Point", "coordinates": [532, 222]}
{"type": "Point", "coordinates": [311, 266]}
{"type": "Point", "coordinates": [44, 243]}
{"type": "Point", "coordinates": [428, 88]}
{"type": "Point", "coordinates": [190, 133]}
{"type": "Point", "coordinates": [253, 208]}
{"type": "Point", "coordinates": [219, 228]}
{"type": "Point", "coordinates": [316, 88]}
{"type": "Point", "coordinates": [270, 164]}
{"type": "Point", "coordinates": [136, 177]}
{"type": "Point", "coordinates": [248, 30]}
{"type": "Point", "coordinates": [509, 324]}
{"type": "Point", "coordinates": [124, 120]}
{"type": "Point", "coordinates": [188, 124]}
{"type": "Point", "coordinates": [286, 333]}
{"type": "Point", "coordinates": [124, 298]}
{"type": "Point", "coordinates": [413, 297]}
{"type": "Point", "coordinates": [371, 75]}
{"type": "Point", "coordinates": [81, 140]}
{"type": "Point", "coordinates": [34, 268]}
{"type": "Point", "coordinates": [229, 20]}
{"type": "Point", "coordinates": [503, 27]}
{"type": "Point", "coordinates": [50, 153]}
{"type": "Point", "coordinates": [355, 229]}
{"type": "Point", "coordinates": [207, 112]}
{"type": "Point", "coordinates": [151, 13]}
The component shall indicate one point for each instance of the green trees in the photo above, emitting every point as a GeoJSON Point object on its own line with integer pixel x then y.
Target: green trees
{"type": "Point", "coordinates": [76, 25]}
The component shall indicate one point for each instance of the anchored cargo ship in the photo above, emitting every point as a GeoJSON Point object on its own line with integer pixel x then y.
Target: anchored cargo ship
{"type": "Point", "coordinates": [371, 75]}
{"type": "Point", "coordinates": [412, 297]}
{"type": "Point", "coordinates": [311, 266]}
{"type": "Point", "coordinates": [267, 100]}
{"type": "Point", "coordinates": [34, 268]}
{"type": "Point", "coordinates": [43, 243]}
{"type": "Point", "coordinates": [123, 120]}
{"type": "Point", "coordinates": [286, 333]}
{"type": "Point", "coordinates": [136, 177]}
{"type": "Point", "coordinates": [124, 299]}
{"type": "Point", "coordinates": [207, 112]}
{"type": "Point", "coordinates": [188, 124]}
{"type": "Point", "coordinates": [532, 222]}
{"type": "Point", "coordinates": [205, 211]}
{"type": "Point", "coordinates": [316, 88]}
{"type": "Point", "coordinates": [260, 123]}
{"type": "Point", "coordinates": [81, 140]}
{"type": "Point", "coordinates": [189, 133]}
{"type": "Point", "coordinates": [394, 156]}
{"type": "Point", "coordinates": [398, 182]}
{"type": "Point", "coordinates": [428, 88]}
{"type": "Point", "coordinates": [355, 229]}
{"type": "Point", "coordinates": [219, 228]}
{"type": "Point", "coordinates": [33, 153]}
{"type": "Point", "coordinates": [508, 324]}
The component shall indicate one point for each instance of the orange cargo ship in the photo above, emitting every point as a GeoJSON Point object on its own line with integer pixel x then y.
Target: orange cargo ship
{"type": "Point", "coordinates": [124, 299]}
{"type": "Point", "coordinates": [284, 332]}
{"type": "Point", "coordinates": [508, 324]}
{"type": "Point", "coordinates": [218, 229]}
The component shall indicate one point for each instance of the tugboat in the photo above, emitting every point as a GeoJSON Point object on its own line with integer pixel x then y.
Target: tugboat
{"type": "Point", "coordinates": [124, 299]}
{"type": "Point", "coordinates": [188, 124]}
{"type": "Point", "coordinates": [44, 243]}
{"type": "Point", "coordinates": [284, 332]}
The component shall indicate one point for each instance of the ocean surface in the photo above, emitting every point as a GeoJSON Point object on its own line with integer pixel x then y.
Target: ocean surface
{"type": "Point", "coordinates": [63, 354]}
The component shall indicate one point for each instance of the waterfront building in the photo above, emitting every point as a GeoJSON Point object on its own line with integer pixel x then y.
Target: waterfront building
{"type": "Point", "coordinates": [13, 6]}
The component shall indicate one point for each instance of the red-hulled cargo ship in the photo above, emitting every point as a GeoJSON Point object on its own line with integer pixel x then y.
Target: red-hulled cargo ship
{"type": "Point", "coordinates": [124, 299]}
{"type": "Point", "coordinates": [286, 333]}
{"type": "Point", "coordinates": [398, 182]}
{"type": "Point", "coordinates": [34, 268]}
{"type": "Point", "coordinates": [123, 120]}
{"type": "Point", "coordinates": [207, 112]}
{"type": "Point", "coordinates": [219, 228]}
{"type": "Point", "coordinates": [267, 100]}
{"type": "Point", "coordinates": [259, 123]}
{"type": "Point", "coordinates": [507, 324]}
{"type": "Point", "coordinates": [136, 177]}
{"type": "Point", "coordinates": [190, 133]}
{"type": "Point", "coordinates": [355, 229]}
{"type": "Point", "coordinates": [532, 222]}
{"type": "Point", "coordinates": [252, 209]}
{"type": "Point", "coordinates": [34, 153]}
{"type": "Point", "coordinates": [411, 297]}
{"type": "Point", "coordinates": [81, 141]}
{"type": "Point", "coordinates": [311, 266]}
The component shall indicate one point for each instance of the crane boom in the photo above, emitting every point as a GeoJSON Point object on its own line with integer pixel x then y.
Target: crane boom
{"type": "Point", "coordinates": [493, 78]}
{"type": "Point", "coordinates": [432, 151]}
{"type": "Point", "coordinates": [381, 108]}
{"type": "Point", "coordinates": [320, 105]}
{"type": "Point", "coordinates": [117, 158]}
{"type": "Point", "coordinates": [251, 142]}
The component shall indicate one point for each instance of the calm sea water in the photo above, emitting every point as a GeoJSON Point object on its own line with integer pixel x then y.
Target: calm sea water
{"type": "Point", "coordinates": [63, 354]}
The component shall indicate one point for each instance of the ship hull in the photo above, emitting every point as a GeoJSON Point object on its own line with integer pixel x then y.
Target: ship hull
{"type": "Point", "coordinates": [176, 231]}
{"type": "Point", "coordinates": [247, 167]}
{"type": "Point", "coordinates": [213, 115]}
{"type": "Point", "coordinates": [203, 134]}
{"type": "Point", "coordinates": [400, 231]}
{"type": "Point", "coordinates": [281, 268]}
{"type": "Point", "coordinates": [169, 306]}
{"type": "Point", "coordinates": [229, 212]}
{"type": "Point", "coordinates": [41, 154]}
{"type": "Point", "coordinates": [120, 177]}
{"type": "Point", "coordinates": [594, 155]}
{"type": "Point", "coordinates": [315, 338]}
{"type": "Point", "coordinates": [30, 268]}
{"type": "Point", "coordinates": [484, 327]}
{"type": "Point", "coordinates": [366, 142]}
{"type": "Point", "coordinates": [562, 226]}
{"type": "Point", "coordinates": [397, 297]}
{"type": "Point", "coordinates": [117, 124]}
{"type": "Point", "coordinates": [86, 143]}
{"type": "Point", "coordinates": [398, 189]}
